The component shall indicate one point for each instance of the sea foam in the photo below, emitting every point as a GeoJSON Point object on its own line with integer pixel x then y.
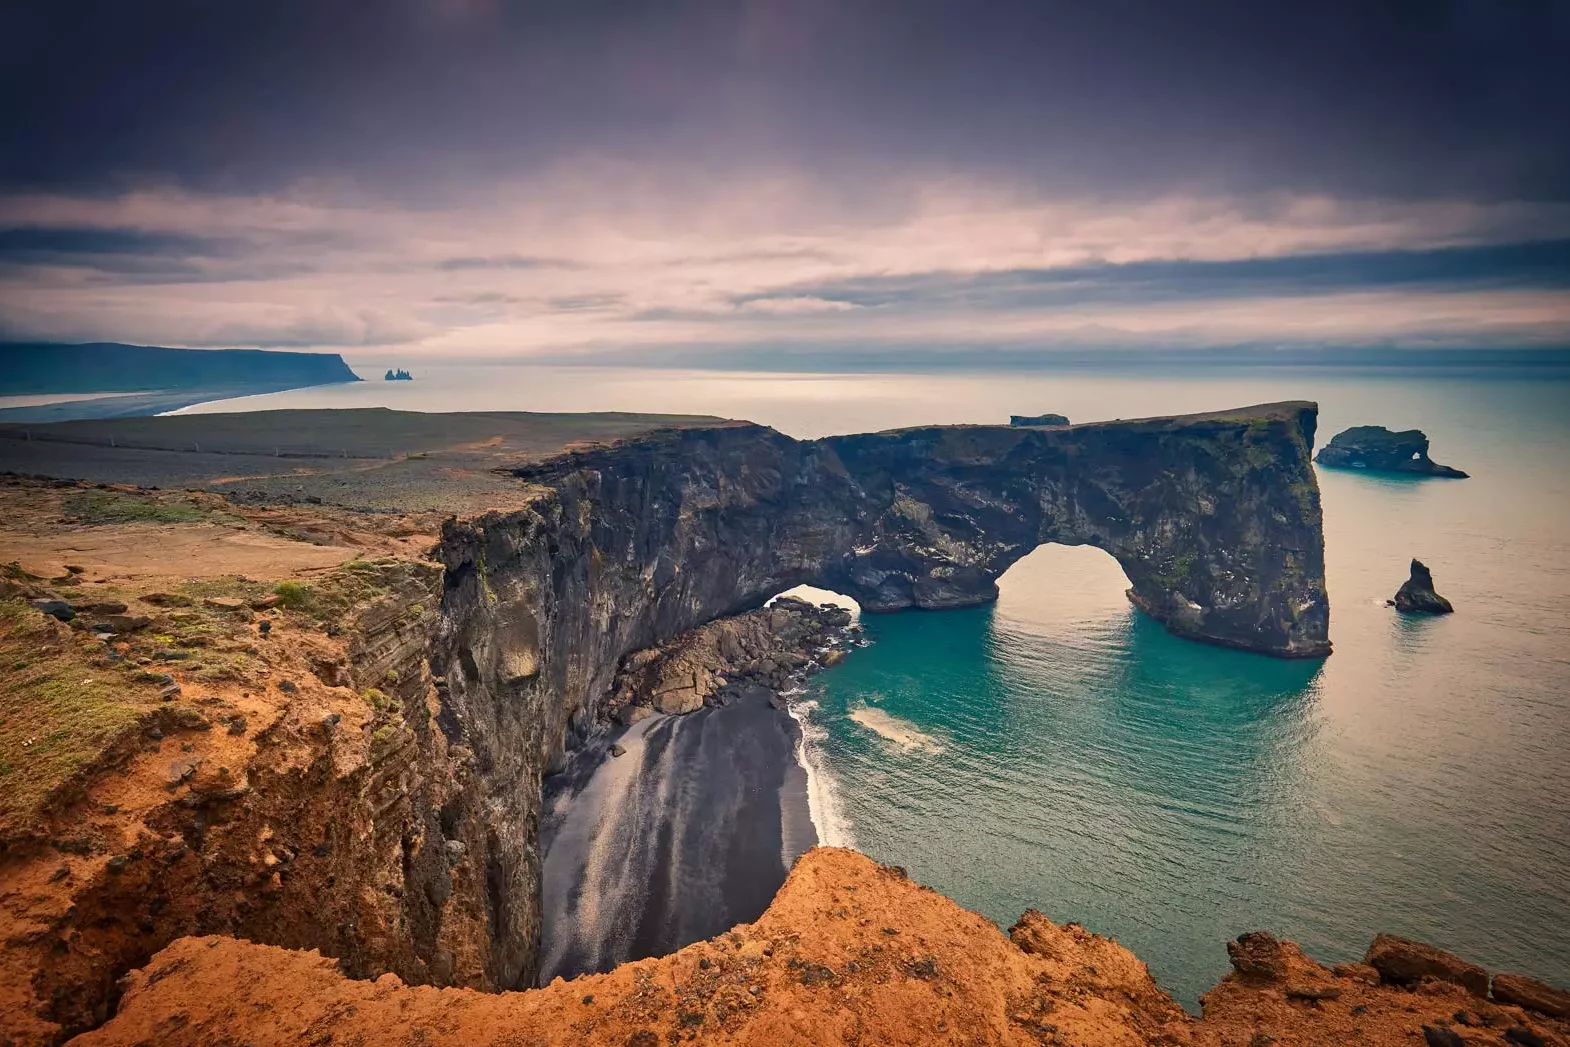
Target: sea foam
{"type": "Point", "coordinates": [823, 799]}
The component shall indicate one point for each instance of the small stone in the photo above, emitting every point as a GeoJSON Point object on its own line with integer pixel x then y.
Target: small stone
{"type": "Point", "coordinates": [1437, 1037]}
{"type": "Point", "coordinates": [118, 863]}
{"type": "Point", "coordinates": [1313, 993]}
{"type": "Point", "coordinates": [618, 750]}
{"type": "Point", "coordinates": [266, 603]}
{"type": "Point", "coordinates": [264, 627]}
{"type": "Point", "coordinates": [589, 998]}
{"type": "Point", "coordinates": [1523, 1037]}
{"type": "Point", "coordinates": [169, 692]}
{"type": "Point", "coordinates": [60, 874]}
{"type": "Point", "coordinates": [455, 850]}
{"type": "Point", "coordinates": [57, 609]}
{"type": "Point", "coordinates": [287, 686]}
{"type": "Point", "coordinates": [330, 720]}
{"type": "Point", "coordinates": [704, 963]}
{"type": "Point", "coordinates": [155, 734]}
{"type": "Point", "coordinates": [237, 725]}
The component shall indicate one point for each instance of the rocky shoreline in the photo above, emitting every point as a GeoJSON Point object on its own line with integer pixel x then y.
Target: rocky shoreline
{"type": "Point", "coordinates": [775, 647]}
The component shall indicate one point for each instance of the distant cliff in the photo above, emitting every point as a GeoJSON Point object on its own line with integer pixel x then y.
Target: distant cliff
{"type": "Point", "coordinates": [106, 367]}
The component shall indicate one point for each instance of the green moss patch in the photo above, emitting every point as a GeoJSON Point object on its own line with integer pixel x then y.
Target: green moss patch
{"type": "Point", "coordinates": [63, 707]}
{"type": "Point", "coordinates": [115, 507]}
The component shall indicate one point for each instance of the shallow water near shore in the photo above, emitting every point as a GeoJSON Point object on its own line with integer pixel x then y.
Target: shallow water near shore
{"type": "Point", "coordinates": [1058, 750]}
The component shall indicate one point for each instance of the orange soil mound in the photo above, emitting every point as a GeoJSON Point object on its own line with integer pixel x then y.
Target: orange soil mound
{"type": "Point", "coordinates": [850, 952]}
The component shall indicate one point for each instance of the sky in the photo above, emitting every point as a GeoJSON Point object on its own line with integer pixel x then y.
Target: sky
{"type": "Point", "coordinates": [761, 182]}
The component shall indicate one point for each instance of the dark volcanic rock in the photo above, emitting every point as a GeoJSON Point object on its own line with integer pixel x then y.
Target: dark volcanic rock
{"type": "Point", "coordinates": [1377, 448]}
{"type": "Point", "coordinates": [1214, 518]}
{"type": "Point", "coordinates": [1417, 596]}
{"type": "Point", "coordinates": [1038, 419]}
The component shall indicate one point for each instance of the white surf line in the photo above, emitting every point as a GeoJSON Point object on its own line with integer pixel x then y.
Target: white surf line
{"type": "Point", "coordinates": [823, 800]}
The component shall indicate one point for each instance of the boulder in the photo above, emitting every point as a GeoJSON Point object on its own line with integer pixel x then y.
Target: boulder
{"type": "Point", "coordinates": [1019, 420]}
{"type": "Point", "coordinates": [1532, 994]}
{"type": "Point", "coordinates": [1378, 449]}
{"type": "Point", "coordinates": [1402, 961]}
{"type": "Point", "coordinates": [1417, 596]}
{"type": "Point", "coordinates": [1258, 955]}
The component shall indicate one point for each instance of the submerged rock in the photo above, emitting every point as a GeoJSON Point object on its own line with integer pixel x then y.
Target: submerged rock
{"type": "Point", "coordinates": [1038, 419]}
{"type": "Point", "coordinates": [1417, 596]}
{"type": "Point", "coordinates": [1377, 448]}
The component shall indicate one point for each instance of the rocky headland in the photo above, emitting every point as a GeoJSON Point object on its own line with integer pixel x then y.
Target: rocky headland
{"type": "Point", "coordinates": [335, 677]}
{"type": "Point", "coordinates": [1417, 595]}
{"type": "Point", "coordinates": [1376, 448]}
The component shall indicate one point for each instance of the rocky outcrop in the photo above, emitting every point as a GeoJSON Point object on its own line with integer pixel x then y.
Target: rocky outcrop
{"type": "Point", "coordinates": [1402, 961]}
{"type": "Point", "coordinates": [1532, 994]}
{"type": "Point", "coordinates": [1376, 448]}
{"type": "Point", "coordinates": [1417, 596]}
{"type": "Point", "coordinates": [1038, 419]}
{"type": "Point", "coordinates": [1214, 518]}
{"type": "Point", "coordinates": [711, 664]}
{"type": "Point", "coordinates": [849, 952]}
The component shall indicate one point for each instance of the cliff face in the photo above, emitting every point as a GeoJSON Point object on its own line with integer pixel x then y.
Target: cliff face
{"type": "Point", "coordinates": [1215, 520]}
{"type": "Point", "coordinates": [386, 811]}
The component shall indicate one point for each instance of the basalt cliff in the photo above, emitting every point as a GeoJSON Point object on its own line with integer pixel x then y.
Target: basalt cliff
{"type": "Point", "coordinates": [321, 697]}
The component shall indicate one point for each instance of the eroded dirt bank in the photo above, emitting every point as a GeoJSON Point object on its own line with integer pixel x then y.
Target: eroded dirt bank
{"type": "Point", "coordinates": [850, 952]}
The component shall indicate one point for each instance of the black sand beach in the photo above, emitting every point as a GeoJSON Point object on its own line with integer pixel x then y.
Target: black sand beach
{"type": "Point", "coordinates": [688, 833]}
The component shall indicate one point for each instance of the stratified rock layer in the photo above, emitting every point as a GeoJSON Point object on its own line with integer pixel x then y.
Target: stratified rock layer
{"type": "Point", "coordinates": [1377, 448]}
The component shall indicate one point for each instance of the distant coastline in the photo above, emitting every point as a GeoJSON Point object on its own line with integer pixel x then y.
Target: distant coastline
{"type": "Point", "coordinates": [110, 380]}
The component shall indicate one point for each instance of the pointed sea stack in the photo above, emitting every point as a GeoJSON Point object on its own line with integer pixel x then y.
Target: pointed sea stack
{"type": "Point", "coordinates": [1376, 448]}
{"type": "Point", "coordinates": [1417, 596]}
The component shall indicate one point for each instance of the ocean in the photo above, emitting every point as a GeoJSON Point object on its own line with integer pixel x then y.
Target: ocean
{"type": "Point", "coordinates": [1057, 750]}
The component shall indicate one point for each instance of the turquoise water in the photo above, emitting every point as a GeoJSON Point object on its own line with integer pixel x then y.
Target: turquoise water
{"type": "Point", "coordinates": [1058, 750]}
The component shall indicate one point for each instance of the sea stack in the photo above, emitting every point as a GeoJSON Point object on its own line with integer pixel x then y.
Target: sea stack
{"type": "Point", "coordinates": [1377, 448]}
{"type": "Point", "coordinates": [1038, 419]}
{"type": "Point", "coordinates": [1417, 596]}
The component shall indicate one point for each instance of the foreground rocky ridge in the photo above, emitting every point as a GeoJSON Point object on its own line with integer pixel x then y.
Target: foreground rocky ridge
{"type": "Point", "coordinates": [849, 952]}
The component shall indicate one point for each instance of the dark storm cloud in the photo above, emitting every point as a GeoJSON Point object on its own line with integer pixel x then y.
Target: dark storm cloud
{"type": "Point", "coordinates": [421, 97]}
{"type": "Point", "coordinates": [1542, 265]}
